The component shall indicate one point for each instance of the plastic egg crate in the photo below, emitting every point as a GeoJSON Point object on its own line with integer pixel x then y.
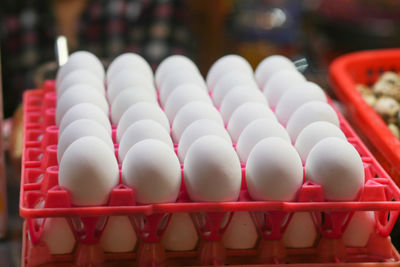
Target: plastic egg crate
{"type": "Point", "coordinates": [41, 197]}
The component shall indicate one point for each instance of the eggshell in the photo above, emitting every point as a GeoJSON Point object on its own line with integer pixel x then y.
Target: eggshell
{"type": "Point", "coordinates": [77, 94]}
{"type": "Point", "coordinates": [130, 61]}
{"type": "Point", "coordinates": [279, 83]}
{"type": "Point", "coordinates": [191, 112]}
{"type": "Point", "coordinates": [118, 235]}
{"type": "Point", "coordinates": [152, 170]}
{"type": "Point", "coordinates": [89, 171]}
{"type": "Point", "coordinates": [301, 231]}
{"type": "Point", "coordinates": [340, 172]}
{"type": "Point", "coordinates": [230, 80]}
{"type": "Point", "coordinates": [269, 66]}
{"type": "Point", "coordinates": [128, 98]}
{"type": "Point", "coordinates": [141, 130]}
{"type": "Point", "coordinates": [241, 232]}
{"type": "Point", "coordinates": [180, 235]}
{"type": "Point", "coordinates": [274, 170]}
{"type": "Point", "coordinates": [182, 95]}
{"type": "Point", "coordinates": [80, 76]}
{"type": "Point", "coordinates": [141, 111]}
{"type": "Point", "coordinates": [254, 132]}
{"type": "Point", "coordinates": [238, 96]}
{"type": "Point", "coordinates": [308, 113]}
{"type": "Point", "coordinates": [85, 111]}
{"type": "Point", "coordinates": [224, 65]}
{"type": "Point", "coordinates": [196, 130]}
{"type": "Point", "coordinates": [54, 230]}
{"type": "Point", "coordinates": [296, 96]}
{"type": "Point", "coordinates": [78, 129]}
{"type": "Point", "coordinates": [359, 229]}
{"type": "Point", "coordinates": [211, 160]}
{"type": "Point", "coordinates": [313, 133]}
{"type": "Point", "coordinates": [172, 64]}
{"type": "Point", "coordinates": [245, 114]}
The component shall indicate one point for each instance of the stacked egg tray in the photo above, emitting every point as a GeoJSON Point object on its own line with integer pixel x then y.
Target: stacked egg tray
{"type": "Point", "coordinates": [41, 197]}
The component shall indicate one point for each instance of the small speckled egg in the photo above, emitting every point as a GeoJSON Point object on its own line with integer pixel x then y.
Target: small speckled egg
{"type": "Point", "coordinates": [269, 66]}
{"type": "Point", "coordinates": [241, 232]}
{"type": "Point", "coordinates": [118, 235]}
{"type": "Point", "coordinates": [180, 235]}
{"type": "Point", "coordinates": [80, 76]}
{"type": "Point", "coordinates": [131, 61]}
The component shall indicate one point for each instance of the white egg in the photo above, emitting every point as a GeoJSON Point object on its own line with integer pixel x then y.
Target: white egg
{"type": "Point", "coordinates": [313, 133]}
{"type": "Point", "coordinates": [56, 230]}
{"type": "Point", "coordinates": [131, 61]}
{"type": "Point", "coordinates": [196, 130]}
{"type": "Point", "coordinates": [172, 64]}
{"type": "Point", "coordinates": [128, 78]}
{"type": "Point", "coordinates": [245, 114]}
{"type": "Point", "coordinates": [118, 235]}
{"type": "Point", "coordinates": [182, 95]}
{"type": "Point", "coordinates": [308, 113]}
{"type": "Point", "coordinates": [224, 65]}
{"type": "Point", "coordinates": [238, 96]}
{"type": "Point", "coordinates": [141, 130]}
{"type": "Point", "coordinates": [359, 229]}
{"type": "Point", "coordinates": [212, 170]}
{"type": "Point", "coordinates": [192, 112]}
{"type": "Point", "coordinates": [296, 96]}
{"type": "Point", "coordinates": [180, 235]}
{"type": "Point", "coordinates": [77, 94]}
{"type": "Point", "coordinates": [88, 171]}
{"type": "Point", "coordinates": [80, 76]}
{"type": "Point", "coordinates": [241, 232]}
{"type": "Point", "coordinates": [279, 83]}
{"type": "Point", "coordinates": [141, 111]}
{"type": "Point", "coordinates": [152, 170]}
{"type": "Point", "coordinates": [228, 81]}
{"type": "Point", "coordinates": [336, 165]}
{"type": "Point", "coordinates": [78, 129]}
{"type": "Point", "coordinates": [274, 170]}
{"type": "Point", "coordinates": [254, 132]}
{"type": "Point", "coordinates": [301, 231]}
{"type": "Point", "coordinates": [128, 98]}
{"type": "Point", "coordinates": [81, 60]}
{"type": "Point", "coordinates": [269, 66]}
{"type": "Point", "coordinates": [84, 111]}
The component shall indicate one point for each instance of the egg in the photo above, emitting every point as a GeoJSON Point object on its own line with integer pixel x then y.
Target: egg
{"type": "Point", "coordinates": [230, 80]}
{"type": "Point", "coordinates": [88, 171]}
{"type": "Point", "coordinates": [191, 112]}
{"type": "Point", "coordinates": [301, 231]}
{"type": "Point", "coordinates": [81, 128]}
{"type": "Point", "coordinates": [274, 170]}
{"type": "Point", "coordinates": [182, 95]}
{"type": "Point", "coordinates": [293, 98]}
{"type": "Point", "coordinates": [269, 66]}
{"type": "Point", "coordinates": [141, 130]}
{"type": "Point", "coordinates": [77, 94]}
{"type": "Point", "coordinates": [313, 133]}
{"type": "Point", "coordinates": [81, 60]}
{"type": "Point", "coordinates": [245, 114]}
{"type": "Point", "coordinates": [224, 65]}
{"type": "Point", "coordinates": [241, 232]}
{"type": "Point", "coordinates": [152, 170]}
{"type": "Point", "coordinates": [198, 129]}
{"type": "Point", "coordinates": [359, 229]}
{"type": "Point", "coordinates": [128, 98]}
{"type": "Point", "coordinates": [254, 132]}
{"type": "Point", "coordinates": [130, 61]}
{"type": "Point", "coordinates": [212, 170]}
{"type": "Point", "coordinates": [54, 230]}
{"type": "Point", "coordinates": [118, 235]}
{"type": "Point", "coordinates": [141, 111]}
{"type": "Point", "coordinates": [339, 172]}
{"type": "Point", "coordinates": [80, 76]}
{"type": "Point", "coordinates": [308, 113]}
{"type": "Point", "coordinates": [85, 111]}
{"type": "Point", "coordinates": [238, 96]}
{"type": "Point", "coordinates": [180, 235]}
{"type": "Point", "coordinates": [128, 78]}
{"type": "Point", "coordinates": [279, 83]}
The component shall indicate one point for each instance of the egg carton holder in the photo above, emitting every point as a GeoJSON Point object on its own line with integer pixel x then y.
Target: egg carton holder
{"type": "Point", "coordinates": [41, 197]}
